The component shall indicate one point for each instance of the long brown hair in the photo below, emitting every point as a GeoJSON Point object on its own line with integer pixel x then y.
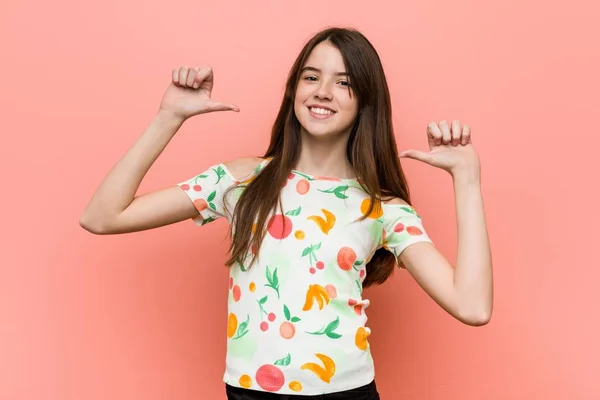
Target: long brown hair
{"type": "Point", "coordinates": [371, 150]}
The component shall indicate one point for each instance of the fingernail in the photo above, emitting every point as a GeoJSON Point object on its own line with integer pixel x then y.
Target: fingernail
{"type": "Point", "coordinates": [196, 85]}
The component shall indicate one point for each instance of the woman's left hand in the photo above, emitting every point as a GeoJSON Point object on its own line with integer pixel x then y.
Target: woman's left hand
{"type": "Point", "coordinates": [450, 148]}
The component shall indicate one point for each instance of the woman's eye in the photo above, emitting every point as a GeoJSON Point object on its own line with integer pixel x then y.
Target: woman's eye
{"type": "Point", "coordinates": [310, 78]}
{"type": "Point", "coordinates": [345, 83]}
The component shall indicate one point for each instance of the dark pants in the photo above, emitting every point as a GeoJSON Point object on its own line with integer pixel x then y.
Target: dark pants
{"type": "Point", "coordinates": [367, 392]}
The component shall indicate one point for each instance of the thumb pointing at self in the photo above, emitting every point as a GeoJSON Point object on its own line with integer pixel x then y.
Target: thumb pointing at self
{"type": "Point", "coordinates": [218, 106]}
{"type": "Point", "coordinates": [416, 155]}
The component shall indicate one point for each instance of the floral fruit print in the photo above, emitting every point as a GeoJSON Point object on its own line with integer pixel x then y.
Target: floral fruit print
{"type": "Point", "coordinates": [303, 186]}
{"type": "Point", "coordinates": [242, 328]}
{"type": "Point", "coordinates": [231, 325]}
{"type": "Point", "coordinates": [296, 316]}
{"type": "Point", "coordinates": [270, 378]}
{"type": "Point", "coordinates": [361, 338]}
{"type": "Point", "coordinates": [245, 381]}
{"type": "Point", "coordinates": [325, 372]}
{"type": "Point", "coordinates": [310, 251]}
{"type": "Point", "coordinates": [318, 293]}
{"type": "Point", "coordinates": [331, 291]}
{"type": "Point", "coordinates": [200, 204]}
{"type": "Point", "coordinates": [279, 226]}
{"type": "Point", "coordinates": [237, 293]}
{"type": "Point", "coordinates": [377, 211]}
{"type": "Point", "coordinates": [414, 231]}
{"type": "Point", "coordinates": [329, 330]}
{"type": "Point", "coordinates": [272, 280]}
{"type": "Point", "coordinates": [324, 224]}
{"type": "Point", "coordinates": [346, 258]}
{"type": "Point", "coordinates": [287, 330]}
{"type": "Point", "coordinates": [338, 191]}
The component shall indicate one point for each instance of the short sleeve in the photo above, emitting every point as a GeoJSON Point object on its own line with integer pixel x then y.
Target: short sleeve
{"type": "Point", "coordinates": [402, 226]}
{"type": "Point", "coordinates": [207, 191]}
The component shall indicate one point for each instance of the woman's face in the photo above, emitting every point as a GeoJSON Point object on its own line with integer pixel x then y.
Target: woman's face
{"type": "Point", "coordinates": [325, 104]}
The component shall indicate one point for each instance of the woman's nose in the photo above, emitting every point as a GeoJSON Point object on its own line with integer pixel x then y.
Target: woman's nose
{"type": "Point", "coordinates": [324, 91]}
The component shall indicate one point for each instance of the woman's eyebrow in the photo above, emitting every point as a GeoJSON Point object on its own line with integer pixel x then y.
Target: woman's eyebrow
{"type": "Point", "coordinates": [313, 69]}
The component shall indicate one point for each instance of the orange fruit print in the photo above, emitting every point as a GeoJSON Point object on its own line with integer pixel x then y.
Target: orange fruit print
{"type": "Point", "coordinates": [346, 258]}
{"type": "Point", "coordinates": [200, 204]}
{"type": "Point", "coordinates": [287, 330]}
{"type": "Point", "coordinates": [302, 299]}
{"type": "Point", "coordinates": [232, 323]}
{"type": "Point", "coordinates": [361, 338]}
{"type": "Point", "coordinates": [303, 186]}
{"type": "Point", "coordinates": [377, 211]}
{"type": "Point", "coordinates": [414, 231]}
{"type": "Point", "coordinates": [245, 381]}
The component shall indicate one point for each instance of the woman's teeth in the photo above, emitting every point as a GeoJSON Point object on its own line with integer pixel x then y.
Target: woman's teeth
{"type": "Point", "coordinates": [321, 111]}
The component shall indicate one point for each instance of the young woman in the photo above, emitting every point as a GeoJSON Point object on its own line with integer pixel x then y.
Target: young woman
{"type": "Point", "coordinates": [323, 214]}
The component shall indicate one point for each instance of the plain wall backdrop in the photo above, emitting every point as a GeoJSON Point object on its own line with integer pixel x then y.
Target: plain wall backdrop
{"type": "Point", "coordinates": [143, 316]}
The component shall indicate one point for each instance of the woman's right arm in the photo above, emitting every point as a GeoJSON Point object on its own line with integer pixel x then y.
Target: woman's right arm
{"type": "Point", "coordinates": [114, 207]}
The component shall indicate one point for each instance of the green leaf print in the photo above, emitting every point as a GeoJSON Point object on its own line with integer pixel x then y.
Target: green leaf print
{"type": "Point", "coordinates": [310, 251]}
{"type": "Point", "coordinates": [242, 329]}
{"type": "Point", "coordinates": [294, 213]}
{"type": "Point", "coordinates": [210, 198]}
{"type": "Point", "coordinates": [339, 191]}
{"type": "Point", "coordinates": [359, 286]}
{"type": "Point", "coordinates": [357, 264]}
{"type": "Point", "coordinates": [241, 264]}
{"type": "Point", "coordinates": [288, 315]}
{"type": "Point", "coordinates": [207, 220]}
{"type": "Point", "coordinates": [201, 176]}
{"type": "Point", "coordinates": [260, 305]}
{"type": "Point", "coordinates": [308, 178]}
{"type": "Point", "coordinates": [408, 210]}
{"type": "Point", "coordinates": [273, 280]}
{"type": "Point", "coordinates": [220, 173]}
{"type": "Point", "coordinates": [285, 361]}
{"type": "Point", "coordinates": [329, 330]}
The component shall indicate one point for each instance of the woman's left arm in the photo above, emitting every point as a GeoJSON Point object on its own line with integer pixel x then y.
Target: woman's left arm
{"type": "Point", "coordinates": [466, 289]}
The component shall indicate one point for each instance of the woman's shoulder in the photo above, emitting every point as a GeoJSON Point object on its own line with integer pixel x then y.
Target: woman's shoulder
{"type": "Point", "coordinates": [242, 167]}
{"type": "Point", "coordinates": [395, 201]}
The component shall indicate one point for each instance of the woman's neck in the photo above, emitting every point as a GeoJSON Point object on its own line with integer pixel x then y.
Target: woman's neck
{"type": "Point", "coordinates": [321, 156]}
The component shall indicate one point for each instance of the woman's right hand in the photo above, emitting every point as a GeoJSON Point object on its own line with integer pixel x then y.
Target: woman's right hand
{"type": "Point", "coordinates": [189, 93]}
